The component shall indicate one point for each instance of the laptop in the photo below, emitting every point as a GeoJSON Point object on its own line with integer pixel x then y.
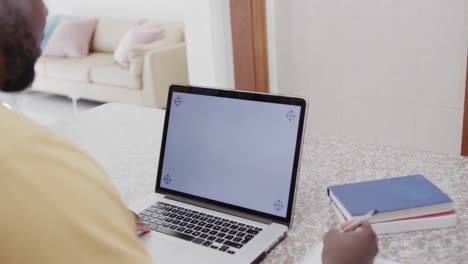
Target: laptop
{"type": "Point", "coordinates": [227, 177]}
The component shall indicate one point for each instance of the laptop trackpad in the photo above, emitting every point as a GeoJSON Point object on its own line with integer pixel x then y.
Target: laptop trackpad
{"type": "Point", "coordinates": [164, 249]}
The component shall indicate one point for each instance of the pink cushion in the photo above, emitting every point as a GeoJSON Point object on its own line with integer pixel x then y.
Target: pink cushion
{"type": "Point", "coordinates": [71, 39]}
{"type": "Point", "coordinates": [142, 34]}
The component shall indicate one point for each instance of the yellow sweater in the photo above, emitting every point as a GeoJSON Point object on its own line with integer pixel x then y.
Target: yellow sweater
{"type": "Point", "coordinates": [56, 204]}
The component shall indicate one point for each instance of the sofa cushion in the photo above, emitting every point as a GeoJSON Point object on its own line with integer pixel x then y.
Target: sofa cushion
{"type": "Point", "coordinates": [51, 24]}
{"type": "Point", "coordinates": [143, 34]}
{"type": "Point", "coordinates": [109, 32]}
{"type": "Point", "coordinates": [115, 75]}
{"type": "Point", "coordinates": [173, 34]}
{"type": "Point", "coordinates": [73, 69]}
{"type": "Point", "coordinates": [136, 67]}
{"type": "Point", "coordinates": [71, 39]}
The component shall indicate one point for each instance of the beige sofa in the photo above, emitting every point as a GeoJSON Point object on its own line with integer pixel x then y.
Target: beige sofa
{"type": "Point", "coordinates": [153, 67]}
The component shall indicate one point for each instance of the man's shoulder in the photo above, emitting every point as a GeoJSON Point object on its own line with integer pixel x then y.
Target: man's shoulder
{"type": "Point", "coordinates": [16, 130]}
{"type": "Point", "coordinates": [24, 142]}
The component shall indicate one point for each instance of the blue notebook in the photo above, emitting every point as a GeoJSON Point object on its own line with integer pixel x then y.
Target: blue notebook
{"type": "Point", "coordinates": [395, 198]}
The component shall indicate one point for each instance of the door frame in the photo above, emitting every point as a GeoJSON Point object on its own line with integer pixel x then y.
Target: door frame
{"type": "Point", "coordinates": [464, 148]}
{"type": "Point", "coordinates": [250, 45]}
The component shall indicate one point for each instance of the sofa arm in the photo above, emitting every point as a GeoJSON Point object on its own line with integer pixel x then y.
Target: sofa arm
{"type": "Point", "coordinates": [137, 55]}
{"type": "Point", "coordinates": [172, 36]}
{"type": "Point", "coordinates": [162, 68]}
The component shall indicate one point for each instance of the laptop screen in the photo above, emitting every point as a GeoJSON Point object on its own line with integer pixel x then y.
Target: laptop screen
{"type": "Point", "coordinates": [232, 151]}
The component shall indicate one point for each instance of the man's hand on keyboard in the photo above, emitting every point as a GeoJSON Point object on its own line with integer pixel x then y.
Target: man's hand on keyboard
{"type": "Point", "coordinates": [141, 227]}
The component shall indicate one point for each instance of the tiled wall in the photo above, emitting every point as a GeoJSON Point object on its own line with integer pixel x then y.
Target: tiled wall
{"type": "Point", "coordinates": [386, 71]}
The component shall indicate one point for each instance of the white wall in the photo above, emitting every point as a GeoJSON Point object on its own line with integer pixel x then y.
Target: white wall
{"type": "Point", "coordinates": [272, 28]}
{"type": "Point", "coordinates": [383, 71]}
{"type": "Point", "coordinates": [209, 43]}
{"type": "Point", "coordinates": [161, 10]}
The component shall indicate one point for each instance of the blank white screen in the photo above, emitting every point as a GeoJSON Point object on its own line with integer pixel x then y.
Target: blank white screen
{"type": "Point", "coordinates": [233, 151]}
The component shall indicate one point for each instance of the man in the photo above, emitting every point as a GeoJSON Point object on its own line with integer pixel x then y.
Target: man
{"type": "Point", "coordinates": [56, 204]}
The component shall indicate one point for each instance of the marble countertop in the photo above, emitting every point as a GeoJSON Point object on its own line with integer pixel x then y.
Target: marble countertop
{"type": "Point", "coordinates": [125, 140]}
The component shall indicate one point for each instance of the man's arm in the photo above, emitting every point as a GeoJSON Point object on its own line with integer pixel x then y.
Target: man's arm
{"type": "Point", "coordinates": [58, 206]}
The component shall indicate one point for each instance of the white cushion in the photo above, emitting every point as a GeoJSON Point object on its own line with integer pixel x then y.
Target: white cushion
{"type": "Point", "coordinates": [115, 75]}
{"type": "Point", "coordinates": [143, 34]}
{"type": "Point", "coordinates": [73, 69]}
{"type": "Point", "coordinates": [136, 67]}
{"type": "Point", "coordinates": [109, 32]}
{"type": "Point", "coordinates": [71, 39]}
{"type": "Point", "coordinates": [173, 34]}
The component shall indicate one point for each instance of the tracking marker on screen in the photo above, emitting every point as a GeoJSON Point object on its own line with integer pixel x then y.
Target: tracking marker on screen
{"type": "Point", "coordinates": [291, 116]}
{"type": "Point", "coordinates": [178, 101]}
{"type": "Point", "coordinates": [167, 179]}
{"type": "Point", "coordinates": [279, 205]}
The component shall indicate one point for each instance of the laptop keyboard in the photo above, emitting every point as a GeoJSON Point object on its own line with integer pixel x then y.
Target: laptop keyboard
{"type": "Point", "coordinates": [200, 228]}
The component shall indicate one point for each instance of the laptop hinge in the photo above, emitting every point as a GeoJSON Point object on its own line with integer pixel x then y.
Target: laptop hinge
{"type": "Point", "coordinates": [219, 209]}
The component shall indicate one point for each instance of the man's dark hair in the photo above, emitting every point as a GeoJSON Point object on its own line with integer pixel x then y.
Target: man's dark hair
{"type": "Point", "coordinates": [18, 49]}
